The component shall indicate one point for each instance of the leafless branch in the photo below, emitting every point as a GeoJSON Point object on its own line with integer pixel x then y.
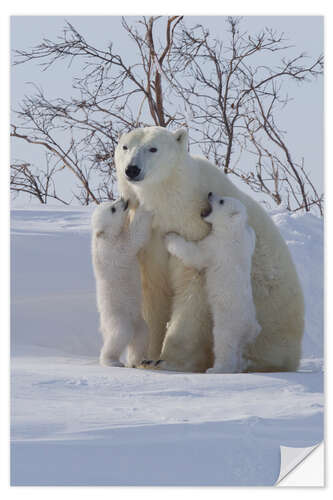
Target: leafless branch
{"type": "Point", "coordinates": [35, 182]}
{"type": "Point", "coordinates": [220, 89]}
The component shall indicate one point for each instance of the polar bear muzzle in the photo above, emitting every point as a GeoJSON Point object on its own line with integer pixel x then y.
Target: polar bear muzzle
{"type": "Point", "coordinates": [132, 172]}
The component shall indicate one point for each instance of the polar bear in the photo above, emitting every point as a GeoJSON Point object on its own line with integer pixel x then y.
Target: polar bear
{"type": "Point", "coordinates": [226, 257]}
{"type": "Point", "coordinates": [155, 169]}
{"type": "Point", "coordinates": [115, 245]}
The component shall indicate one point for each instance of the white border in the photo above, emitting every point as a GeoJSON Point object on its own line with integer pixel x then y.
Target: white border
{"type": "Point", "coordinates": [38, 7]}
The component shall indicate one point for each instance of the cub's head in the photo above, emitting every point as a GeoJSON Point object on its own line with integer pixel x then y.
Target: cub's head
{"type": "Point", "coordinates": [109, 218]}
{"type": "Point", "coordinates": [224, 211]}
{"type": "Point", "coordinates": [146, 156]}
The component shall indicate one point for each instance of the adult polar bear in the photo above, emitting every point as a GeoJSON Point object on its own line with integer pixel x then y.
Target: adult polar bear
{"type": "Point", "coordinates": [155, 169]}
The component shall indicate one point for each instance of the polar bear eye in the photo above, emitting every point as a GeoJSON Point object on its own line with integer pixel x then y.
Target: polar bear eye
{"type": "Point", "coordinates": [125, 148]}
{"type": "Point", "coordinates": [113, 210]}
{"type": "Point", "coordinates": [153, 150]}
{"type": "Point", "coordinates": [221, 202]}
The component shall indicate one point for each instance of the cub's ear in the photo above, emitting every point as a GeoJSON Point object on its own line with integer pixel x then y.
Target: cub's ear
{"type": "Point", "coordinates": [99, 234]}
{"type": "Point", "coordinates": [120, 135]}
{"type": "Point", "coordinates": [181, 136]}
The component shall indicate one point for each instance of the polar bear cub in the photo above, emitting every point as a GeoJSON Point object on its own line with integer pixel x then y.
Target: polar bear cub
{"type": "Point", "coordinates": [226, 256]}
{"type": "Point", "coordinates": [115, 245]}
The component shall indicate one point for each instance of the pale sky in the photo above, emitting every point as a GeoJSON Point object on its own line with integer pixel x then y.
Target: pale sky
{"type": "Point", "coordinates": [302, 118]}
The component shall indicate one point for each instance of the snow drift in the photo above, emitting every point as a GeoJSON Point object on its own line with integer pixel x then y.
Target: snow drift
{"type": "Point", "coordinates": [76, 423]}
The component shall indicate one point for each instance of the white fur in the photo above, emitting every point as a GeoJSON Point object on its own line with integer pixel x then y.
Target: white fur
{"type": "Point", "coordinates": [115, 245]}
{"type": "Point", "coordinates": [225, 255]}
{"type": "Point", "coordinates": [174, 185]}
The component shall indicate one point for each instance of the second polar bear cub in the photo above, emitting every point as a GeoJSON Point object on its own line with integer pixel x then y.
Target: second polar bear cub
{"type": "Point", "coordinates": [115, 245]}
{"type": "Point", "coordinates": [226, 256]}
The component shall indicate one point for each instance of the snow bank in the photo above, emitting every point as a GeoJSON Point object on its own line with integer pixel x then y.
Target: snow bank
{"type": "Point", "coordinates": [304, 236]}
{"type": "Point", "coordinates": [76, 423]}
{"type": "Point", "coordinates": [52, 283]}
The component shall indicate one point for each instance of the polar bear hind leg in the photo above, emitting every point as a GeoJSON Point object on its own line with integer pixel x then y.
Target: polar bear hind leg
{"type": "Point", "coordinates": [228, 347]}
{"type": "Point", "coordinates": [117, 335]}
{"type": "Point", "coordinates": [137, 348]}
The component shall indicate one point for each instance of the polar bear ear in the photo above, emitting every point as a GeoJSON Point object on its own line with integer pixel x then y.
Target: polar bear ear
{"type": "Point", "coordinates": [181, 136]}
{"type": "Point", "coordinates": [120, 135]}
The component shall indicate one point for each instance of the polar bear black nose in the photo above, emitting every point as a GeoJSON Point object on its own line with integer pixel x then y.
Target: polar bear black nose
{"type": "Point", "coordinates": [132, 171]}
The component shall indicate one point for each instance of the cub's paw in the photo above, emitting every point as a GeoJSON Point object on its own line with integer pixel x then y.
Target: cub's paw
{"type": "Point", "coordinates": [111, 362]}
{"type": "Point", "coordinates": [222, 369]}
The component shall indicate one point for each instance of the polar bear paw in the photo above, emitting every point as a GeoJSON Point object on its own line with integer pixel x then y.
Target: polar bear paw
{"type": "Point", "coordinates": [160, 364]}
{"type": "Point", "coordinates": [150, 364]}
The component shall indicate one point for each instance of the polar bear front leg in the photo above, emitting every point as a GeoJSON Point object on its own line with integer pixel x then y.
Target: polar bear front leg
{"type": "Point", "coordinates": [156, 291]}
{"type": "Point", "coordinates": [188, 342]}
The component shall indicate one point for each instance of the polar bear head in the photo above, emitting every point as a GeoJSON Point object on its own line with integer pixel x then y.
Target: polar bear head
{"type": "Point", "coordinates": [147, 156]}
{"type": "Point", "coordinates": [224, 211]}
{"type": "Point", "coordinates": [109, 218]}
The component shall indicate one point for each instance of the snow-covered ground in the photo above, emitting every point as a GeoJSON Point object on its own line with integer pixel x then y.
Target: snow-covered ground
{"type": "Point", "coordinates": [76, 423]}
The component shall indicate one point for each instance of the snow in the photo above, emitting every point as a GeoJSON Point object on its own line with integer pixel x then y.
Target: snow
{"type": "Point", "coordinates": [304, 236]}
{"type": "Point", "coordinates": [76, 423]}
